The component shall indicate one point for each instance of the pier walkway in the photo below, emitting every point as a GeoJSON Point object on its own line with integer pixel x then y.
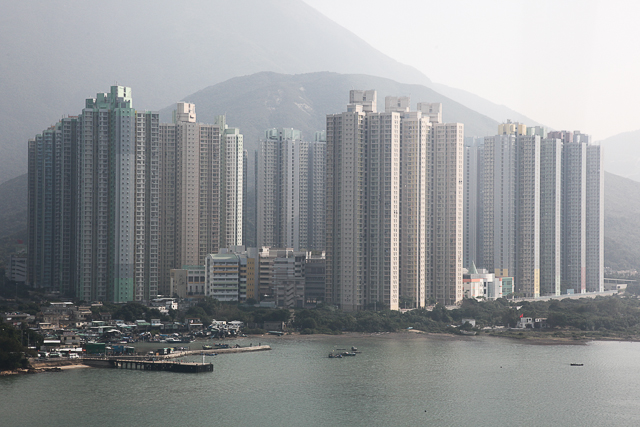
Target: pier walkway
{"type": "Point", "coordinates": [161, 365]}
{"type": "Point", "coordinates": [147, 365]}
{"type": "Point", "coordinates": [213, 351]}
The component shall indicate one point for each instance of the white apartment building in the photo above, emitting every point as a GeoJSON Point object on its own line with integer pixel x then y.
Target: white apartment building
{"type": "Point", "coordinates": [233, 176]}
{"type": "Point", "coordinates": [117, 200]}
{"type": "Point", "coordinates": [345, 182]}
{"type": "Point", "coordinates": [595, 220]}
{"type": "Point", "coordinates": [550, 216]}
{"type": "Point", "coordinates": [226, 276]}
{"type": "Point", "coordinates": [446, 190]}
{"type": "Point", "coordinates": [394, 205]}
{"type": "Point", "coordinates": [201, 190]}
{"type": "Point", "coordinates": [541, 203]}
{"type": "Point", "coordinates": [473, 184]}
{"type": "Point", "coordinates": [290, 190]}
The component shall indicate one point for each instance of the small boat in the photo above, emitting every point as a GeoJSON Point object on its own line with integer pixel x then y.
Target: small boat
{"type": "Point", "coordinates": [577, 364]}
{"type": "Point", "coordinates": [335, 356]}
{"type": "Point", "coordinates": [207, 347]}
{"type": "Point", "coordinates": [346, 353]}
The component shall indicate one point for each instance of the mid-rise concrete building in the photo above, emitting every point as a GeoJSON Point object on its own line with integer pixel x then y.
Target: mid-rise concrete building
{"type": "Point", "coordinates": [288, 278]}
{"type": "Point", "coordinates": [281, 276]}
{"type": "Point", "coordinates": [314, 272]}
{"type": "Point", "coordinates": [480, 284]}
{"type": "Point", "coordinates": [16, 269]}
{"type": "Point", "coordinates": [226, 276]}
{"type": "Point", "coordinates": [188, 281]}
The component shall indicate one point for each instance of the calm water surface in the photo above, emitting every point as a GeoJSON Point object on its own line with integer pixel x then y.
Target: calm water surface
{"type": "Point", "coordinates": [396, 381]}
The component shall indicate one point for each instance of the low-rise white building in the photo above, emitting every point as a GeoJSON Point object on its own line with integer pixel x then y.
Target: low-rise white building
{"type": "Point", "coordinates": [481, 284]}
{"type": "Point", "coordinates": [226, 276]}
{"type": "Point", "coordinates": [17, 268]}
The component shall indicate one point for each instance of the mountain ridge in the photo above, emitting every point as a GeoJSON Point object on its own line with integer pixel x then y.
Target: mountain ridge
{"type": "Point", "coordinates": [48, 69]}
{"type": "Point", "coordinates": [622, 154]}
{"type": "Point", "coordinates": [265, 100]}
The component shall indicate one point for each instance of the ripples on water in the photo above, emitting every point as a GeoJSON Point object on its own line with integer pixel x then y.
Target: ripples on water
{"type": "Point", "coordinates": [397, 381]}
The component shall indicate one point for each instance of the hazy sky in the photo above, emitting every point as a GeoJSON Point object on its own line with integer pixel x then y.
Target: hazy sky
{"type": "Point", "coordinates": [569, 64]}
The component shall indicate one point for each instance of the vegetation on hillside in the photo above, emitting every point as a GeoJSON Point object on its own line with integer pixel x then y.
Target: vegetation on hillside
{"type": "Point", "coordinates": [598, 317]}
{"type": "Point", "coordinates": [13, 346]}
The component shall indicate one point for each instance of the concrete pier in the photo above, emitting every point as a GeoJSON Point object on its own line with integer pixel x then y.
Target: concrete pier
{"type": "Point", "coordinates": [216, 351]}
{"type": "Point", "coordinates": [161, 365]}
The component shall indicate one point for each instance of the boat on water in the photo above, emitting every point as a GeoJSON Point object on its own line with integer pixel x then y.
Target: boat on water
{"type": "Point", "coordinates": [577, 364]}
{"type": "Point", "coordinates": [349, 353]}
{"type": "Point", "coordinates": [335, 356]}
{"type": "Point", "coordinates": [207, 347]}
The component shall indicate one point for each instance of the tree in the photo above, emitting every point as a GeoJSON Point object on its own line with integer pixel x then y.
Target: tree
{"type": "Point", "coordinates": [12, 352]}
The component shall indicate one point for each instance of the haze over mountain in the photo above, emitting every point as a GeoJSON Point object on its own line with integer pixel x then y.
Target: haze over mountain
{"type": "Point", "coordinates": [622, 154]}
{"type": "Point", "coordinates": [621, 222]}
{"type": "Point", "coordinates": [54, 55]}
{"type": "Point", "coordinates": [265, 100]}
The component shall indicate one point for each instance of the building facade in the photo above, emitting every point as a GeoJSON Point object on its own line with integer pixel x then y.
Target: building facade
{"type": "Point", "coordinates": [290, 190]}
{"type": "Point", "coordinates": [93, 202]}
{"type": "Point", "coordinates": [550, 216]}
{"type": "Point", "coordinates": [541, 201]}
{"type": "Point", "coordinates": [201, 190]}
{"type": "Point", "coordinates": [51, 203]}
{"type": "Point", "coordinates": [394, 205]}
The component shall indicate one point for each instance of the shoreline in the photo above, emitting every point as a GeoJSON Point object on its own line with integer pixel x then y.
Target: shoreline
{"type": "Point", "coordinates": [417, 334]}
{"type": "Point", "coordinates": [528, 339]}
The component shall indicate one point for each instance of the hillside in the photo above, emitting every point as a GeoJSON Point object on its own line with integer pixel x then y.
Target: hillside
{"type": "Point", "coordinates": [264, 100]}
{"type": "Point", "coordinates": [13, 216]}
{"type": "Point", "coordinates": [622, 154]}
{"type": "Point", "coordinates": [13, 205]}
{"type": "Point", "coordinates": [621, 222]}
